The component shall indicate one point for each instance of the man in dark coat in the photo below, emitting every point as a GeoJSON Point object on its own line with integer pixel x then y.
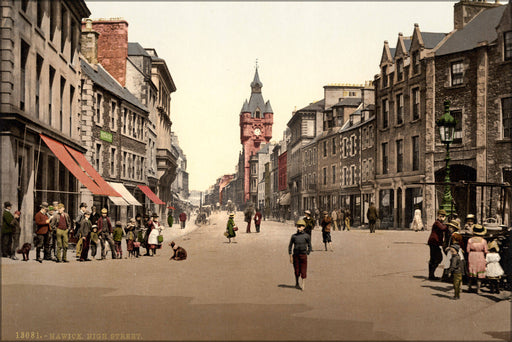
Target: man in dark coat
{"type": "Point", "coordinates": [85, 235]}
{"type": "Point", "coordinates": [257, 220]}
{"type": "Point", "coordinates": [183, 219]}
{"type": "Point", "coordinates": [7, 230]}
{"type": "Point", "coordinates": [42, 231]}
{"type": "Point", "coordinates": [247, 217]}
{"type": "Point", "coordinates": [435, 241]}
{"type": "Point", "coordinates": [61, 222]}
{"type": "Point", "coordinates": [105, 231]}
{"type": "Point", "coordinates": [372, 215]}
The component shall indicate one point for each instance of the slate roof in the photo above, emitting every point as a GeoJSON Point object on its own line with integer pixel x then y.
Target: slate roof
{"type": "Point", "coordinates": [431, 39]}
{"type": "Point", "coordinates": [349, 102]}
{"type": "Point", "coordinates": [135, 49]}
{"type": "Point", "coordinates": [256, 99]}
{"type": "Point", "coordinates": [315, 106]}
{"type": "Point", "coordinates": [392, 51]}
{"type": "Point", "coordinates": [407, 43]}
{"type": "Point", "coordinates": [481, 28]}
{"type": "Point", "coordinates": [103, 79]}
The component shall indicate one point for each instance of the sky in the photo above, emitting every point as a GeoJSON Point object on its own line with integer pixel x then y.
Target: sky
{"type": "Point", "coordinates": [211, 49]}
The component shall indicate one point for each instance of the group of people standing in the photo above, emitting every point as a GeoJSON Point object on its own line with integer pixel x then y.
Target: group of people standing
{"type": "Point", "coordinates": [475, 258]}
{"type": "Point", "coordinates": [89, 230]}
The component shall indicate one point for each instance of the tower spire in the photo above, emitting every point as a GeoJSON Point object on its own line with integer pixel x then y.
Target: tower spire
{"type": "Point", "coordinates": [256, 83]}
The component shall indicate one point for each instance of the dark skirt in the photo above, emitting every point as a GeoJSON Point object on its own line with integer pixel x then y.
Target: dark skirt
{"type": "Point", "coordinates": [129, 245]}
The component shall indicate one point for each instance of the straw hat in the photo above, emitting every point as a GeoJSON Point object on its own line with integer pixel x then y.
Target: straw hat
{"type": "Point", "coordinates": [454, 224]}
{"type": "Point", "coordinates": [478, 229]}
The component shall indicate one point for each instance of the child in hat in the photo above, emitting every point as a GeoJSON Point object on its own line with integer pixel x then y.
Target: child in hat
{"type": "Point", "coordinates": [118, 237]}
{"type": "Point", "coordinates": [457, 268]}
{"type": "Point", "coordinates": [493, 271]}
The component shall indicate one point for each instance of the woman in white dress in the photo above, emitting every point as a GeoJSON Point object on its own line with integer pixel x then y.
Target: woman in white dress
{"type": "Point", "coordinates": [417, 222]}
{"type": "Point", "coordinates": [156, 229]}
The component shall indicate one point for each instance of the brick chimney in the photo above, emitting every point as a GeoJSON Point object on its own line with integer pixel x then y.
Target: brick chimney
{"type": "Point", "coordinates": [113, 46]}
{"type": "Point", "coordinates": [465, 10]}
{"type": "Point", "coordinates": [89, 42]}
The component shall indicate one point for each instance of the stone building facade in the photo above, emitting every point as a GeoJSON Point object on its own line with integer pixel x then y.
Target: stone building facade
{"type": "Point", "coordinates": [402, 103]}
{"type": "Point", "coordinates": [39, 92]}
{"type": "Point", "coordinates": [474, 73]}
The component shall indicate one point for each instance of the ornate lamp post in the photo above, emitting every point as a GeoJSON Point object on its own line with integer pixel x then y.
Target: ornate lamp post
{"type": "Point", "coordinates": [446, 124]}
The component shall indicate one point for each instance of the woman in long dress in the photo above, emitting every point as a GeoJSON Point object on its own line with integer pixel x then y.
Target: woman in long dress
{"type": "Point", "coordinates": [156, 228]}
{"type": "Point", "coordinates": [417, 222]}
{"type": "Point", "coordinates": [230, 228]}
{"type": "Point", "coordinates": [477, 249]}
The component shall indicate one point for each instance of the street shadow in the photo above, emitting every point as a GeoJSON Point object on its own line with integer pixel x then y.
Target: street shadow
{"type": "Point", "coordinates": [491, 297]}
{"type": "Point", "coordinates": [501, 335]}
{"type": "Point", "coordinates": [439, 288]}
{"type": "Point", "coordinates": [420, 277]}
{"type": "Point", "coordinates": [442, 295]}
{"type": "Point", "coordinates": [287, 286]}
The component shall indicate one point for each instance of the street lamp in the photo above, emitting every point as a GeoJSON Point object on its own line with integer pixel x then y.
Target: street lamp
{"type": "Point", "coordinates": [446, 124]}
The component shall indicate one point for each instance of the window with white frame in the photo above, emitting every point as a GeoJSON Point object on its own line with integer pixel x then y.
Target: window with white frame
{"type": "Point", "coordinates": [99, 108]}
{"type": "Point", "coordinates": [97, 155]}
{"type": "Point", "coordinates": [400, 155]}
{"type": "Point", "coordinates": [345, 176]}
{"type": "Point", "coordinates": [125, 160]}
{"type": "Point", "coordinates": [365, 170]}
{"type": "Point", "coordinates": [333, 142]}
{"type": "Point", "coordinates": [457, 73]}
{"type": "Point", "coordinates": [457, 134]}
{"type": "Point", "coordinates": [353, 145]}
{"type": "Point", "coordinates": [324, 172]}
{"type": "Point", "coordinates": [506, 117]}
{"type": "Point", "coordinates": [415, 153]}
{"type": "Point", "coordinates": [353, 174]}
{"type": "Point", "coordinates": [333, 174]}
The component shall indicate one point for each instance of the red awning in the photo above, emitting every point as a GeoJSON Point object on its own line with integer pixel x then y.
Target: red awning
{"type": "Point", "coordinates": [80, 158]}
{"type": "Point", "coordinates": [65, 158]}
{"type": "Point", "coordinates": [151, 194]}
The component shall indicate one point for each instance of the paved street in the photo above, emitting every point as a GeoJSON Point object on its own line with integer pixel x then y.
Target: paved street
{"type": "Point", "coordinates": [372, 287]}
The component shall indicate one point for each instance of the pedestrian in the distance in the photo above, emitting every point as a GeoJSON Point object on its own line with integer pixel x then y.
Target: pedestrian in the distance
{"type": "Point", "coordinates": [230, 227]}
{"type": "Point", "coordinates": [183, 219]}
{"type": "Point", "coordinates": [310, 224]}
{"type": "Point", "coordinates": [334, 217]}
{"type": "Point", "coordinates": [7, 230]}
{"type": "Point", "coordinates": [118, 238]}
{"type": "Point", "coordinates": [348, 217]}
{"type": "Point", "coordinates": [299, 249]}
{"type": "Point", "coordinates": [130, 237]}
{"type": "Point", "coordinates": [85, 235]}
{"type": "Point", "coordinates": [326, 230]}
{"type": "Point", "coordinates": [154, 231]}
{"type": "Point", "coordinates": [435, 241]}
{"type": "Point", "coordinates": [372, 215]}
{"type": "Point", "coordinates": [257, 220]}
{"type": "Point", "coordinates": [248, 217]}
{"type": "Point", "coordinates": [16, 231]}
{"type": "Point", "coordinates": [339, 218]}
{"type": "Point", "coordinates": [417, 222]}
{"type": "Point", "coordinates": [105, 231]}
{"type": "Point", "coordinates": [78, 224]}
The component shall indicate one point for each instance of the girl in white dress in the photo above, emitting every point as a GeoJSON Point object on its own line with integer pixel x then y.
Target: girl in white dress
{"type": "Point", "coordinates": [493, 270]}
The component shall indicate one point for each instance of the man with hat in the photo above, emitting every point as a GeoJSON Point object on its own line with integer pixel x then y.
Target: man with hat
{"type": "Point", "coordinates": [42, 231]}
{"type": "Point", "coordinates": [7, 230]}
{"type": "Point", "coordinates": [52, 237]}
{"type": "Point", "coordinates": [435, 241]}
{"type": "Point", "coordinates": [15, 234]}
{"type": "Point", "coordinates": [326, 230]}
{"type": "Point", "coordinates": [310, 223]}
{"type": "Point", "coordinates": [301, 245]}
{"type": "Point", "coordinates": [372, 215]}
{"type": "Point", "coordinates": [61, 222]}
{"type": "Point", "coordinates": [85, 235]}
{"type": "Point", "coordinates": [105, 231]}
{"type": "Point", "coordinates": [470, 222]}
{"type": "Point", "coordinates": [78, 224]}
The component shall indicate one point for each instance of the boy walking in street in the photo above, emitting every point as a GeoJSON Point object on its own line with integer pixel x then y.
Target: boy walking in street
{"type": "Point", "coordinates": [457, 269]}
{"type": "Point", "coordinates": [300, 243]}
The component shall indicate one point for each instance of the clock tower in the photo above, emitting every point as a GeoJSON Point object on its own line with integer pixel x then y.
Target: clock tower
{"type": "Point", "coordinates": [256, 119]}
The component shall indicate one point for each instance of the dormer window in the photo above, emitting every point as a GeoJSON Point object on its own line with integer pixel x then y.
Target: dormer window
{"type": "Point", "coordinates": [257, 114]}
{"type": "Point", "coordinates": [415, 62]}
{"type": "Point", "coordinates": [384, 76]}
{"type": "Point", "coordinates": [400, 69]}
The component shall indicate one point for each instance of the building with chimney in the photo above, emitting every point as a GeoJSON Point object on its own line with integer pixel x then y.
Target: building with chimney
{"type": "Point", "coordinates": [39, 106]}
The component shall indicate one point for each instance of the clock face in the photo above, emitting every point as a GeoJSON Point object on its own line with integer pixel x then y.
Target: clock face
{"type": "Point", "coordinates": [257, 131]}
